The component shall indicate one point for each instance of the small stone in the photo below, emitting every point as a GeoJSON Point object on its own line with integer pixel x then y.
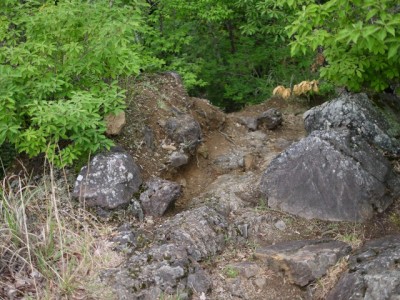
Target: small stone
{"type": "Point", "coordinates": [178, 159]}
{"type": "Point", "coordinates": [271, 118]}
{"type": "Point", "coordinates": [115, 123]}
{"type": "Point", "coordinates": [280, 225]}
{"type": "Point", "coordinates": [260, 282]}
{"type": "Point", "coordinates": [249, 122]}
{"type": "Point", "coordinates": [148, 137]}
{"type": "Point", "coordinates": [203, 151]}
{"type": "Point", "coordinates": [249, 162]}
{"type": "Point", "coordinates": [183, 182]}
{"type": "Point", "coordinates": [247, 269]}
{"type": "Point", "coordinates": [109, 181]}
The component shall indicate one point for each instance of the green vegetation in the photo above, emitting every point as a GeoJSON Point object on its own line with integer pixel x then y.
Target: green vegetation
{"type": "Point", "coordinates": [61, 61]}
{"type": "Point", "coordinates": [230, 52]}
{"type": "Point", "coordinates": [47, 246]}
{"type": "Point", "coordinates": [360, 39]}
{"type": "Point", "coordinates": [231, 272]}
{"type": "Point", "coordinates": [59, 70]}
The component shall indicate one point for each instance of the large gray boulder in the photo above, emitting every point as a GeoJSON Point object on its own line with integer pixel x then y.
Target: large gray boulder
{"type": "Point", "coordinates": [160, 194]}
{"type": "Point", "coordinates": [355, 112]}
{"type": "Point", "coordinates": [109, 181]}
{"type": "Point", "coordinates": [374, 272]}
{"type": "Point", "coordinates": [330, 175]}
{"type": "Point", "coordinates": [303, 261]}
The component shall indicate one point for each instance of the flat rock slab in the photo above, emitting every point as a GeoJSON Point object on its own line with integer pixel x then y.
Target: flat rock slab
{"type": "Point", "coordinates": [357, 113]}
{"type": "Point", "coordinates": [330, 175]}
{"type": "Point", "coordinates": [160, 194]}
{"type": "Point", "coordinates": [303, 261]}
{"type": "Point", "coordinates": [109, 181]}
{"type": "Point", "coordinates": [374, 272]}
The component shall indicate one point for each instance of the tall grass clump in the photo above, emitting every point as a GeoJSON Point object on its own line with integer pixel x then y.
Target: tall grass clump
{"type": "Point", "coordinates": [50, 248]}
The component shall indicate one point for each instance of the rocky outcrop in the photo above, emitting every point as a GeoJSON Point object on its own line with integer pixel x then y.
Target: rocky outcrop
{"type": "Point", "coordinates": [160, 194]}
{"type": "Point", "coordinates": [200, 231]}
{"type": "Point", "coordinates": [303, 261]}
{"type": "Point", "coordinates": [374, 272]}
{"type": "Point", "coordinates": [355, 112]}
{"type": "Point", "coordinates": [170, 266]}
{"type": "Point", "coordinates": [109, 181]}
{"type": "Point", "coordinates": [330, 175]}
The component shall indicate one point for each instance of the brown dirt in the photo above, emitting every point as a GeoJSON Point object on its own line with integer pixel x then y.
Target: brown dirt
{"type": "Point", "coordinates": [154, 99]}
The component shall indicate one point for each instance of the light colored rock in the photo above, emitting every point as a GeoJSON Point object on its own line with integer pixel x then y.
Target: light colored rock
{"type": "Point", "coordinates": [109, 181]}
{"type": "Point", "coordinates": [115, 123]}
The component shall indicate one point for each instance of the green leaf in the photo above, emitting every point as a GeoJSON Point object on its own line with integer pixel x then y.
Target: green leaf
{"type": "Point", "coordinates": [393, 49]}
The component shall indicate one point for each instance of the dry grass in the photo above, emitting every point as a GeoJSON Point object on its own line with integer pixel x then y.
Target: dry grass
{"type": "Point", "coordinates": [327, 283]}
{"type": "Point", "coordinates": [50, 248]}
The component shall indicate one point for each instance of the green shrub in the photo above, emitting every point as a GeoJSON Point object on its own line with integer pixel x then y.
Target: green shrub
{"type": "Point", "coordinates": [59, 66]}
{"type": "Point", "coordinates": [360, 40]}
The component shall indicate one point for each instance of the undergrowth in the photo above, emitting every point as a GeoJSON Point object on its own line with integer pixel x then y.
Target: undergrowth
{"type": "Point", "coordinates": [50, 248]}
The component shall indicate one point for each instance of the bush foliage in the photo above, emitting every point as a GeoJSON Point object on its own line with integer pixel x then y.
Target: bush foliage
{"type": "Point", "coordinates": [60, 61]}
{"type": "Point", "coordinates": [361, 40]}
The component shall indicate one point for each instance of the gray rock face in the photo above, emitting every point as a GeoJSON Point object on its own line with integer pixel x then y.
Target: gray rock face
{"type": "Point", "coordinates": [158, 196]}
{"type": "Point", "coordinates": [230, 161]}
{"type": "Point", "coordinates": [271, 118]}
{"type": "Point", "coordinates": [374, 272]}
{"type": "Point", "coordinates": [250, 122]}
{"type": "Point", "coordinates": [172, 268]}
{"type": "Point", "coordinates": [229, 192]}
{"type": "Point", "coordinates": [355, 112]}
{"type": "Point", "coordinates": [110, 180]}
{"type": "Point", "coordinates": [330, 175]}
{"type": "Point", "coordinates": [200, 231]}
{"type": "Point", "coordinates": [199, 282]}
{"type": "Point", "coordinates": [303, 261]}
{"type": "Point", "coordinates": [184, 130]}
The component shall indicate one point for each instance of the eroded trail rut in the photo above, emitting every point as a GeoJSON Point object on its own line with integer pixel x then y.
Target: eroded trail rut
{"type": "Point", "coordinates": [218, 221]}
{"type": "Point", "coordinates": [220, 240]}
